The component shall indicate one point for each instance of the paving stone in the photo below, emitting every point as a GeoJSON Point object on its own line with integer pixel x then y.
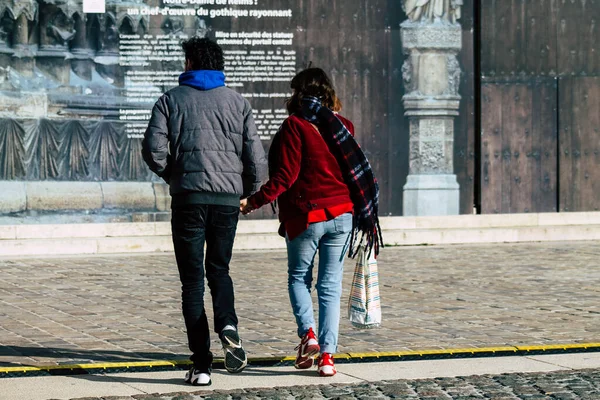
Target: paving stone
{"type": "Point", "coordinates": [502, 387]}
{"type": "Point", "coordinates": [127, 307]}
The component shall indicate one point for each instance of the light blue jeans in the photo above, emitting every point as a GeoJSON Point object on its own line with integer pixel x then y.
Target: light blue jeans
{"type": "Point", "coordinates": [331, 240]}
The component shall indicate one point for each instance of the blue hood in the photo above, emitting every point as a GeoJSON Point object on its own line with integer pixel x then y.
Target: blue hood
{"type": "Point", "coordinates": [202, 79]}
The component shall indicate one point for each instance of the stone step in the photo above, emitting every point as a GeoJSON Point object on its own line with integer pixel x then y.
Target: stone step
{"type": "Point", "coordinates": [110, 238]}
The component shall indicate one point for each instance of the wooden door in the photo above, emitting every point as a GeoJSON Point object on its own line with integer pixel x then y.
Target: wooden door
{"type": "Point", "coordinates": [539, 102]}
{"type": "Point", "coordinates": [579, 144]}
{"type": "Point", "coordinates": [518, 147]}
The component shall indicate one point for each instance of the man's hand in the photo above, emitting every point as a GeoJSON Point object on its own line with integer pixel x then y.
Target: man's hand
{"type": "Point", "coordinates": [245, 207]}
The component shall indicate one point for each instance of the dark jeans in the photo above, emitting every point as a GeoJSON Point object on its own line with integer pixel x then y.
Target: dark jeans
{"type": "Point", "coordinates": [192, 227]}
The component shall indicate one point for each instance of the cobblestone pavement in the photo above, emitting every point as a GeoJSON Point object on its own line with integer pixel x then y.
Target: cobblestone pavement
{"type": "Point", "coordinates": [564, 385]}
{"type": "Point", "coordinates": [127, 307]}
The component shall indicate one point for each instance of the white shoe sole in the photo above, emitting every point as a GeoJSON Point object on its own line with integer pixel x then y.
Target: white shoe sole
{"type": "Point", "coordinates": [235, 356]}
{"type": "Point", "coordinates": [200, 380]}
{"type": "Point", "coordinates": [327, 370]}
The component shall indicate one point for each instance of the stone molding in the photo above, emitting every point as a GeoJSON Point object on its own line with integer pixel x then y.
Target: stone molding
{"type": "Point", "coordinates": [420, 36]}
{"type": "Point", "coordinates": [416, 105]}
{"type": "Point", "coordinates": [55, 196]}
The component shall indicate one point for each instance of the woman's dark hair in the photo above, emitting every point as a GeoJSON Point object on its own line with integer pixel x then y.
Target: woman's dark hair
{"type": "Point", "coordinates": [204, 54]}
{"type": "Point", "coordinates": [312, 82]}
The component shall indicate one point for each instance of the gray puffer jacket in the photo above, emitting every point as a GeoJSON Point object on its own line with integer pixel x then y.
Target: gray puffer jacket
{"type": "Point", "coordinates": [204, 144]}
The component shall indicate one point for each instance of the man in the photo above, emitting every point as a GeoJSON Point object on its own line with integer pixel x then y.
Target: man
{"type": "Point", "coordinates": [202, 140]}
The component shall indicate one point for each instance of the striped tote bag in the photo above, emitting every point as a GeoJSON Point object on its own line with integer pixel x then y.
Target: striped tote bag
{"type": "Point", "coordinates": [364, 305]}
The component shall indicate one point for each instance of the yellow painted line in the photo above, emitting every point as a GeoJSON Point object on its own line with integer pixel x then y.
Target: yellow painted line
{"type": "Point", "coordinates": [21, 369]}
{"type": "Point", "coordinates": [575, 346]}
{"type": "Point", "coordinates": [474, 350]}
{"type": "Point", "coordinates": [125, 364]}
{"type": "Point", "coordinates": [345, 356]}
{"type": "Point", "coordinates": [480, 350]}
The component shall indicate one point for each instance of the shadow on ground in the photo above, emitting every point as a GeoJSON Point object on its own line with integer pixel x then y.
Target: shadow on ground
{"type": "Point", "coordinates": [81, 356]}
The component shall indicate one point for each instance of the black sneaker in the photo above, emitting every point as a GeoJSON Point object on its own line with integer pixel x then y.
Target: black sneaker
{"type": "Point", "coordinates": [198, 377]}
{"type": "Point", "coordinates": [235, 356]}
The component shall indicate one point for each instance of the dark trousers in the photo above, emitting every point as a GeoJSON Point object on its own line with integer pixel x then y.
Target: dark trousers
{"type": "Point", "coordinates": [192, 227]}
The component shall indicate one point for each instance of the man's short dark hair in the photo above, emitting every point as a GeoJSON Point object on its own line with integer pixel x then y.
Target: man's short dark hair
{"type": "Point", "coordinates": [203, 54]}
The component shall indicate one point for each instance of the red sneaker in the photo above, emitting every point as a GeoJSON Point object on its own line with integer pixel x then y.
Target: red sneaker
{"type": "Point", "coordinates": [326, 367]}
{"type": "Point", "coordinates": [307, 350]}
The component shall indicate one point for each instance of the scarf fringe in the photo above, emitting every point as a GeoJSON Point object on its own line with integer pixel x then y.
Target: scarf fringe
{"type": "Point", "coordinates": [370, 238]}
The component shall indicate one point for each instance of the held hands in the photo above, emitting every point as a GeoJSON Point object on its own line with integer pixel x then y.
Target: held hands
{"type": "Point", "coordinates": [245, 207]}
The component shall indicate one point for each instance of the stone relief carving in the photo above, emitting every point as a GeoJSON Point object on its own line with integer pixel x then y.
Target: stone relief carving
{"type": "Point", "coordinates": [43, 158]}
{"type": "Point", "coordinates": [17, 7]}
{"type": "Point", "coordinates": [68, 7]}
{"type": "Point", "coordinates": [407, 76]}
{"type": "Point", "coordinates": [6, 27]}
{"type": "Point", "coordinates": [131, 163]}
{"type": "Point", "coordinates": [173, 26]}
{"type": "Point", "coordinates": [60, 30]}
{"type": "Point", "coordinates": [131, 24]}
{"type": "Point", "coordinates": [12, 150]}
{"type": "Point", "coordinates": [453, 76]}
{"type": "Point", "coordinates": [4, 77]}
{"type": "Point", "coordinates": [202, 30]}
{"type": "Point", "coordinates": [75, 151]}
{"type": "Point", "coordinates": [70, 150]}
{"type": "Point", "coordinates": [430, 11]}
{"type": "Point", "coordinates": [107, 40]}
{"type": "Point", "coordinates": [105, 146]}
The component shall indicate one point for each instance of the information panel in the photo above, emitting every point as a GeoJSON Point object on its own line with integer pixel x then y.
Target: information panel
{"type": "Point", "coordinates": [260, 56]}
{"type": "Point", "coordinates": [78, 79]}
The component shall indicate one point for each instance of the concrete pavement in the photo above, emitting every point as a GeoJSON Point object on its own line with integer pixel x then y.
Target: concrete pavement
{"type": "Point", "coordinates": [479, 378]}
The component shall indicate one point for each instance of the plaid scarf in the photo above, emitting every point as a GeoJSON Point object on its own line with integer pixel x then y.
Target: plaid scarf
{"type": "Point", "coordinates": [357, 172]}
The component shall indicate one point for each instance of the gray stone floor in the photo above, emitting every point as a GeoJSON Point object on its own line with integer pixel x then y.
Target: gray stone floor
{"type": "Point", "coordinates": [126, 307]}
{"type": "Point", "coordinates": [575, 385]}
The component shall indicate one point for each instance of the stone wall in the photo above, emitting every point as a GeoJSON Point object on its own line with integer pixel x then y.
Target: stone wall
{"type": "Point", "coordinates": [69, 150]}
{"type": "Point", "coordinates": [18, 197]}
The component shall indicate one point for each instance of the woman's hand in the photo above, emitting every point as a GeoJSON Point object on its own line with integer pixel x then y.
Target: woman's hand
{"type": "Point", "coordinates": [245, 207]}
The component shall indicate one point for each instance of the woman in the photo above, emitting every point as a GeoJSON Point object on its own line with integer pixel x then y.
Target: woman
{"type": "Point", "coordinates": [308, 169]}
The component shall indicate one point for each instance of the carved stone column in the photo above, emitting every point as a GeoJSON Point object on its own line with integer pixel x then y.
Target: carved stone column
{"type": "Point", "coordinates": [23, 55]}
{"type": "Point", "coordinates": [80, 48]}
{"type": "Point", "coordinates": [7, 25]}
{"type": "Point", "coordinates": [431, 40]}
{"type": "Point", "coordinates": [80, 42]}
{"type": "Point", "coordinates": [21, 32]}
{"type": "Point", "coordinates": [113, 23]}
{"type": "Point", "coordinates": [56, 30]}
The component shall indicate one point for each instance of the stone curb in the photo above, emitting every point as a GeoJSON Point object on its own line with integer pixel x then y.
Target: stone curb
{"type": "Point", "coordinates": [436, 354]}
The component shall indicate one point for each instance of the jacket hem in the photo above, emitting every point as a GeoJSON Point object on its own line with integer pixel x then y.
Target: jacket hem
{"type": "Point", "coordinates": [219, 199]}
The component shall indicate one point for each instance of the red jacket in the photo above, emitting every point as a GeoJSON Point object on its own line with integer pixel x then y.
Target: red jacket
{"type": "Point", "coordinates": [307, 177]}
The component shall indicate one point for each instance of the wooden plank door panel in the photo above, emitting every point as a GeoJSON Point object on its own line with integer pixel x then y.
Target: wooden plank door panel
{"type": "Point", "coordinates": [464, 128]}
{"type": "Point", "coordinates": [579, 160]}
{"type": "Point", "coordinates": [518, 38]}
{"type": "Point", "coordinates": [578, 35]}
{"type": "Point", "coordinates": [518, 147]}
